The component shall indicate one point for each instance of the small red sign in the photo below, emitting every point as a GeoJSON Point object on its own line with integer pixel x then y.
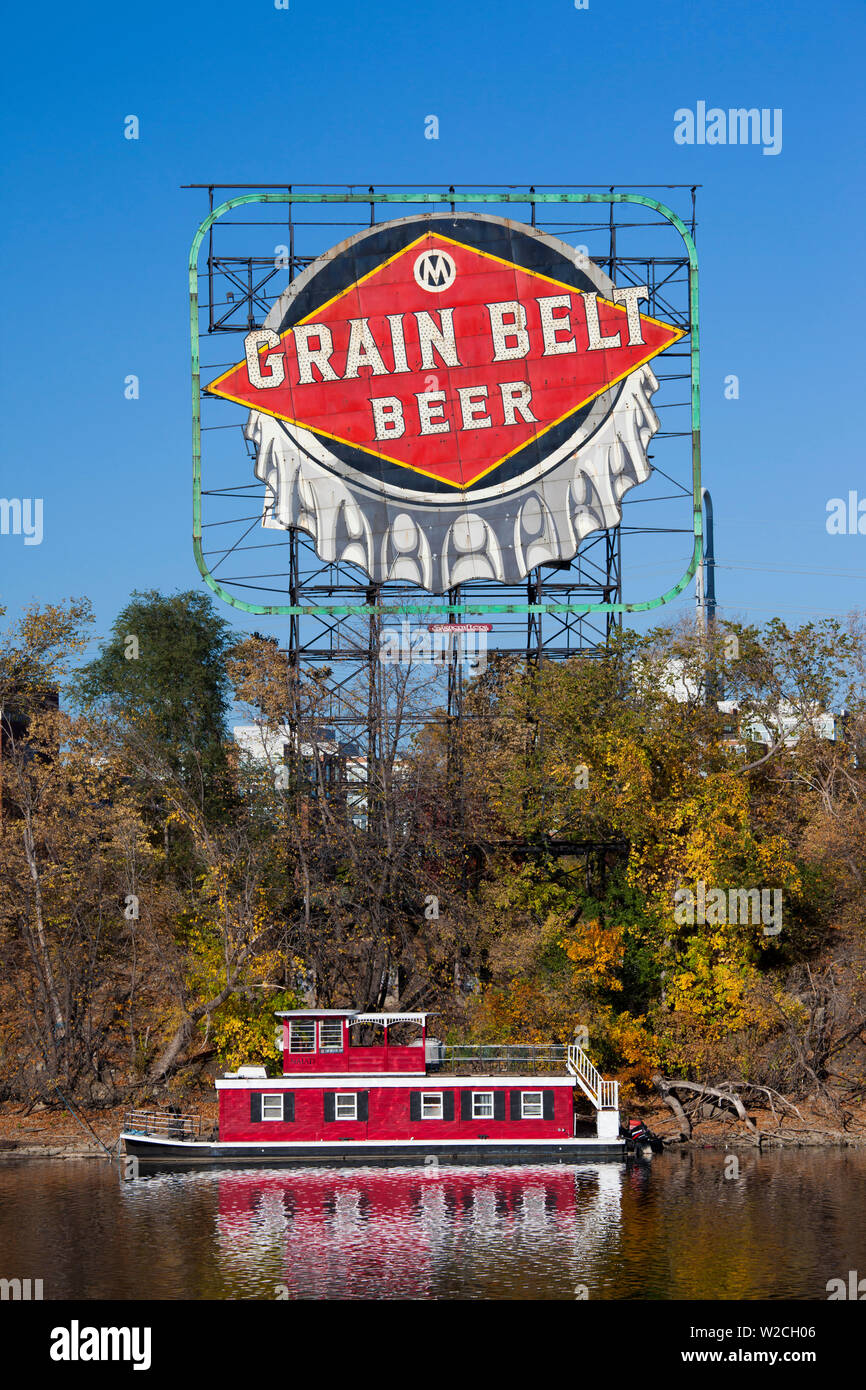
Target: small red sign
{"type": "Point", "coordinates": [445, 360]}
{"type": "Point", "coordinates": [460, 627]}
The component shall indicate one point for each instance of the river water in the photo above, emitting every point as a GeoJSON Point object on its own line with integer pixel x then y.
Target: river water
{"type": "Point", "coordinates": [703, 1224]}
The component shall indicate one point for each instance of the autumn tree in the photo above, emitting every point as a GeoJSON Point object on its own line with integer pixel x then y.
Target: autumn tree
{"type": "Point", "coordinates": [378, 907]}
{"type": "Point", "coordinates": [73, 851]}
{"type": "Point", "coordinates": [635, 750]}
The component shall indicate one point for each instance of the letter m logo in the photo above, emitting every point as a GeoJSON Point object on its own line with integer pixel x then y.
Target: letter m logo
{"type": "Point", "coordinates": [435, 271]}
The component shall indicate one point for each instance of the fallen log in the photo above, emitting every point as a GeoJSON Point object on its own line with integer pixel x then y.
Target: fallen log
{"type": "Point", "coordinates": [673, 1104]}
{"type": "Point", "coordinates": [668, 1086]}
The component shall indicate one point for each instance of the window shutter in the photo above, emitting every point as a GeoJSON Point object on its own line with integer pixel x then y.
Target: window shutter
{"type": "Point", "coordinates": [448, 1105]}
{"type": "Point", "coordinates": [515, 1105]}
{"type": "Point", "coordinates": [288, 1105]}
{"type": "Point", "coordinates": [255, 1106]}
{"type": "Point", "coordinates": [330, 1105]}
{"type": "Point", "coordinates": [465, 1104]}
{"type": "Point", "coordinates": [415, 1105]}
{"type": "Point", "coordinates": [499, 1105]}
{"type": "Point", "coordinates": [548, 1104]}
{"type": "Point", "coordinates": [363, 1105]}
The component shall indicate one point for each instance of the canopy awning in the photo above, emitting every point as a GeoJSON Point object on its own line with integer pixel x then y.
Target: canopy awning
{"type": "Point", "coordinates": [352, 1015]}
{"type": "Point", "coordinates": [390, 1018]}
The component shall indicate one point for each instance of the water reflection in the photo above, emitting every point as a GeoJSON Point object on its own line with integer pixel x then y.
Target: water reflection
{"type": "Point", "coordinates": [678, 1228]}
{"type": "Point", "coordinates": [401, 1233]}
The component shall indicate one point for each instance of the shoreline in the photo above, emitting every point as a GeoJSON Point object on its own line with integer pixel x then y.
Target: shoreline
{"type": "Point", "coordinates": [54, 1134]}
{"type": "Point", "coordinates": [724, 1131]}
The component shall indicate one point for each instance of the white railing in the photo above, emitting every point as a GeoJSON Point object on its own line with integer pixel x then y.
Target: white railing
{"type": "Point", "coordinates": [165, 1124]}
{"type": "Point", "coordinates": [609, 1095]}
{"type": "Point", "coordinates": [603, 1094]}
{"type": "Point", "coordinates": [531, 1059]}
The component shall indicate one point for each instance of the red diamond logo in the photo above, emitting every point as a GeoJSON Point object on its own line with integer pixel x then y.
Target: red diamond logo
{"type": "Point", "coordinates": [445, 360]}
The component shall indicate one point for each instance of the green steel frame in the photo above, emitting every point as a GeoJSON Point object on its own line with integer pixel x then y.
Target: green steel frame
{"type": "Point", "coordinates": [341, 610]}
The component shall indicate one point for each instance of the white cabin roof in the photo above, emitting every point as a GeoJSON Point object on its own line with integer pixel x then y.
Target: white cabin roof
{"type": "Point", "coordinates": [356, 1016]}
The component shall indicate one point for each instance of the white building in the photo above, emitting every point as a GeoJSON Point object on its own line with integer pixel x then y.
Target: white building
{"type": "Point", "coordinates": [785, 724]}
{"type": "Point", "coordinates": [341, 769]}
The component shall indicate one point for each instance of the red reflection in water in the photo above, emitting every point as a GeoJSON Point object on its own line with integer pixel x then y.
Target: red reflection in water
{"type": "Point", "coordinates": [380, 1233]}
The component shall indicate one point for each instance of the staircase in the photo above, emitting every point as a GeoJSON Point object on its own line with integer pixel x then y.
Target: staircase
{"type": "Point", "coordinates": [603, 1094]}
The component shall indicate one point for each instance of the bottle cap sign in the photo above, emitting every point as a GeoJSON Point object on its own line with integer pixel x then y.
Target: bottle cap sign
{"type": "Point", "coordinates": [450, 396]}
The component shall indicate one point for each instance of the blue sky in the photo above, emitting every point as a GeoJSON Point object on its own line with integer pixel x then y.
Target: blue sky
{"type": "Point", "coordinates": [96, 231]}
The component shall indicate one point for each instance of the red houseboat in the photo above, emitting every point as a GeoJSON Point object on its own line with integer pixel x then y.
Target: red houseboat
{"type": "Point", "coordinates": [374, 1088]}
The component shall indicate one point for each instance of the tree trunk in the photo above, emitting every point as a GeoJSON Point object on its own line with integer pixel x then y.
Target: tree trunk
{"type": "Point", "coordinates": [40, 939]}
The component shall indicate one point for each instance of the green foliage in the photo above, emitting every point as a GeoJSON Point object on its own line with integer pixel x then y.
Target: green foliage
{"type": "Point", "coordinates": [163, 672]}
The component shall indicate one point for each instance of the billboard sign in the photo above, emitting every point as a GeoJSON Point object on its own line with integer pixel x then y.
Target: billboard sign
{"type": "Point", "coordinates": [448, 397]}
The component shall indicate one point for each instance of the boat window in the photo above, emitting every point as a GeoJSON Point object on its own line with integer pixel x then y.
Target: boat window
{"type": "Point", "coordinates": [302, 1035]}
{"type": "Point", "coordinates": [331, 1035]}
{"type": "Point", "coordinates": [531, 1105]}
{"type": "Point", "coordinates": [345, 1107]}
{"type": "Point", "coordinates": [272, 1107]}
{"type": "Point", "coordinates": [366, 1034]}
{"type": "Point", "coordinates": [482, 1105]}
{"type": "Point", "coordinates": [405, 1035]}
{"type": "Point", "coordinates": [431, 1106]}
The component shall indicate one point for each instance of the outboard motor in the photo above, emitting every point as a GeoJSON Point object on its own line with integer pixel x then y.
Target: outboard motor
{"type": "Point", "coordinates": [639, 1139]}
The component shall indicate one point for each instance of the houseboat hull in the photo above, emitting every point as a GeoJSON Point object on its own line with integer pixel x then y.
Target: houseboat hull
{"type": "Point", "coordinates": [162, 1152]}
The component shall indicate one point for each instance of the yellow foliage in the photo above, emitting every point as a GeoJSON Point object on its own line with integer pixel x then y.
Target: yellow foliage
{"type": "Point", "coordinates": [596, 952]}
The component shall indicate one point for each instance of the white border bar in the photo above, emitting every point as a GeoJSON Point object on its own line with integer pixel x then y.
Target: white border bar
{"type": "Point", "coordinates": [351, 1081]}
